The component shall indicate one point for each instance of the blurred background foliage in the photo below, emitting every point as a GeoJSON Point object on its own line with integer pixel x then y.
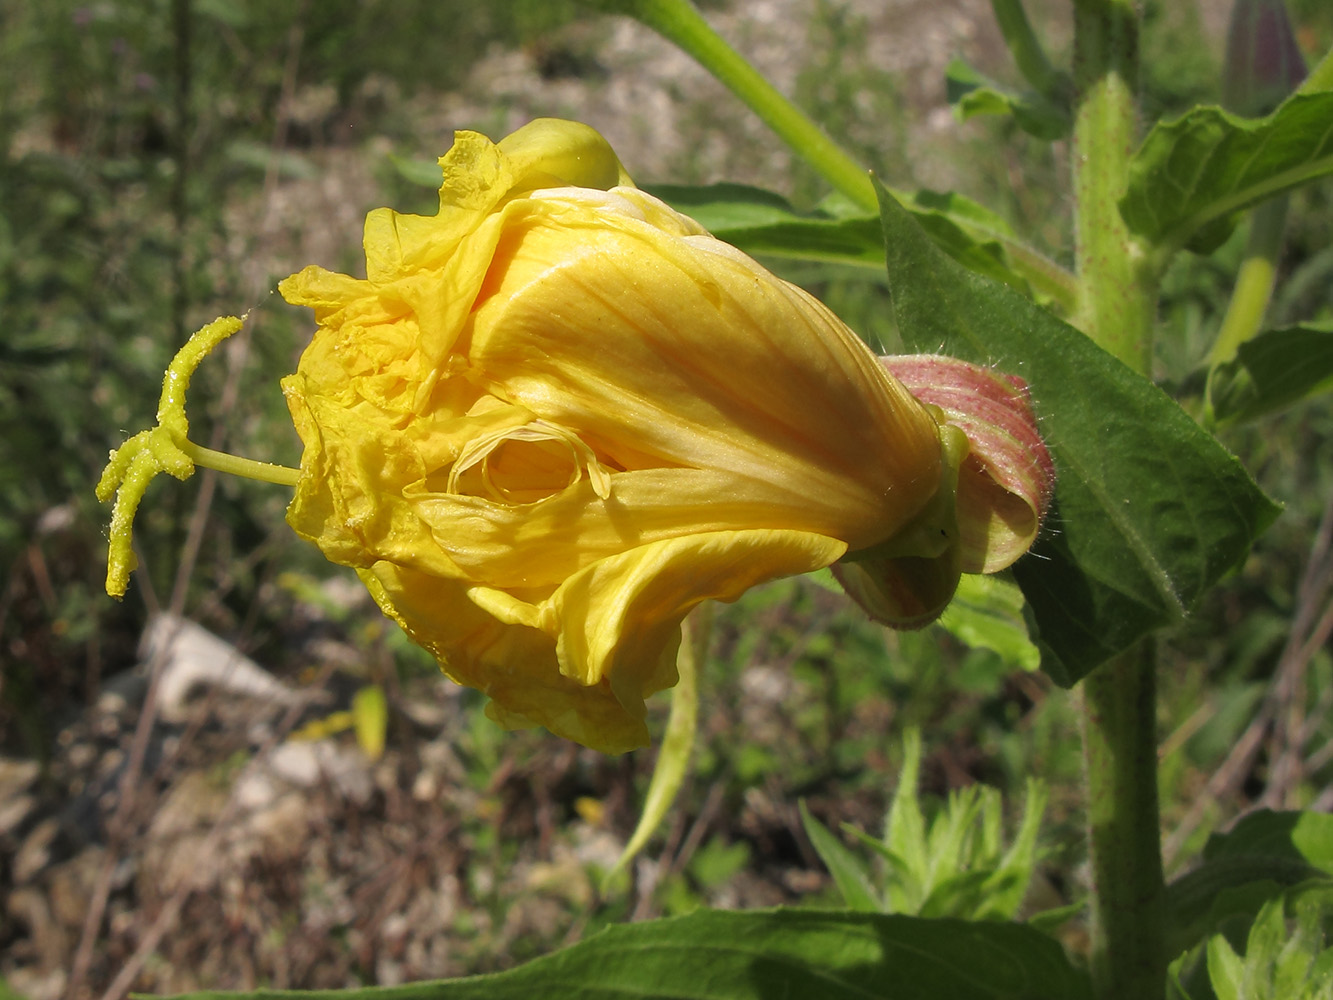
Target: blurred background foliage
{"type": "Point", "coordinates": [166, 161]}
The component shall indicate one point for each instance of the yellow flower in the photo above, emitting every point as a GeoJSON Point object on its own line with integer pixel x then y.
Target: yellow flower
{"type": "Point", "coordinates": [558, 415]}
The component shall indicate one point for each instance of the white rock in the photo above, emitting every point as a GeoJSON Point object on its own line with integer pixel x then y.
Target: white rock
{"type": "Point", "coordinates": [13, 811]}
{"type": "Point", "coordinates": [255, 789]}
{"type": "Point", "coordinates": [306, 764]}
{"type": "Point", "coordinates": [194, 656]}
{"type": "Point", "coordinates": [16, 775]}
{"type": "Point", "coordinates": [35, 851]}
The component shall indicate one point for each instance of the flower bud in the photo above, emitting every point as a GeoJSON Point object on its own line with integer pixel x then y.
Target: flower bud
{"type": "Point", "coordinates": [1007, 480]}
{"type": "Point", "coordinates": [1263, 62]}
{"type": "Point", "coordinates": [1003, 479]}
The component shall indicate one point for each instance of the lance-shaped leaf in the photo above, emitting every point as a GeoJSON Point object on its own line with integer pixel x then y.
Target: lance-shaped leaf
{"type": "Point", "coordinates": [673, 759]}
{"type": "Point", "coordinates": [1276, 369]}
{"type": "Point", "coordinates": [1286, 954]}
{"type": "Point", "coordinates": [759, 954]}
{"type": "Point", "coordinates": [762, 223]}
{"type": "Point", "coordinates": [1192, 175]}
{"type": "Point", "coordinates": [849, 874]}
{"type": "Point", "coordinates": [1149, 509]}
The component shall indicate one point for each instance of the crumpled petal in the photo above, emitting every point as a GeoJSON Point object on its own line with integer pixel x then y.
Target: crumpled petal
{"type": "Point", "coordinates": [581, 660]}
{"type": "Point", "coordinates": [705, 360]}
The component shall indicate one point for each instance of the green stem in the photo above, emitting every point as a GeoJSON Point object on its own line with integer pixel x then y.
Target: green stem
{"type": "Point", "coordinates": [679, 22]}
{"type": "Point", "coordinates": [1116, 309]}
{"type": "Point", "coordinates": [1120, 758]}
{"type": "Point", "coordinates": [1028, 54]}
{"type": "Point", "coordinates": [1045, 275]}
{"type": "Point", "coordinates": [234, 465]}
{"type": "Point", "coordinates": [1254, 281]}
{"type": "Point", "coordinates": [1117, 287]}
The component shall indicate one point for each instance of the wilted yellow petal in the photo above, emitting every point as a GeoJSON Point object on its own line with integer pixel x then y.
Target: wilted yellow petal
{"type": "Point", "coordinates": [554, 418]}
{"type": "Point", "coordinates": [514, 665]}
{"type": "Point", "coordinates": [541, 544]}
{"type": "Point", "coordinates": [616, 617]}
{"type": "Point", "coordinates": [582, 660]}
{"type": "Point", "coordinates": [687, 351]}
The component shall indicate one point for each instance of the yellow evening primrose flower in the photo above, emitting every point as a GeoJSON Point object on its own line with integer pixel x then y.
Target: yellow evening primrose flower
{"type": "Point", "coordinates": [557, 415]}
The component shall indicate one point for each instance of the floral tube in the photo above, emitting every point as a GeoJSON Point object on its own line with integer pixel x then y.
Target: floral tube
{"type": "Point", "coordinates": [558, 415]}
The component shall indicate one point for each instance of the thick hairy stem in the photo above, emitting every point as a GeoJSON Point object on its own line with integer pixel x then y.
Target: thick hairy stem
{"type": "Point", "coordinates": [1116, 305]}
{"type": "Point", "coordinates": [1117, 284]}
{"type": "Point", "coordinates": [1120, 757]}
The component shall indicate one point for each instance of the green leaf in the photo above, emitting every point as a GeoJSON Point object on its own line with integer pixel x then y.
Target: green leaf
{"type": "Point", "coordinates": [987, 613]}
{"type": "Point", "coordinates": [905, 834]}
{"type": "Point", "coordinates": [425, 173]}
{"type": "Point", "coordinates": [1217, 894]}
{"type": "Point", "coordinates": [1050, 921]}
{"type": "Point", "coordinates": [972, 94]}
{"type": "Point", "coordinates": [1286, 955]}
{"type": "Point", "coordinates": [962, 209]}
{"type": "Point", "coordinates": [950, 840]}
{"type": "Point", "coordinates": [1274, 370]}
{"type": "Point", "coordinates": [1225, 969]}
{"type": "Point", "coordinates": [1299, 836]}
{"type": "Point", "coordinates": [760, 222]}
{"type": "Point", "coordinates": [1009, 884]}
{"type": "Point", "coordinates": [761, 954]}
{"type": "Point", "coordinates": [1150, 511]}
{"type": "Point", "coordinates": [764, 224]}
{"type": "Point", "coordinates": [848, 873]}
{"type": "Point", "coordinates": [961, 892]}
{"type": "Point", "coordinates": [1192, 175]}
{"type": "Point", "coordinates": [967, 245]}
{"type": "Point", "coordinates": [1259, 859]}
